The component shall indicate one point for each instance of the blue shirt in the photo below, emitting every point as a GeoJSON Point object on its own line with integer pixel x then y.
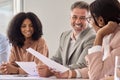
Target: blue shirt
{"type": "Point", "coordinates": [4, 48]}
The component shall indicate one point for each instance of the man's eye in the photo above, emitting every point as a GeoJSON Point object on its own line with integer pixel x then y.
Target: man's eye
{"type": "Point", "coordinates": [82, 18]}
{"type": "Point", "coordinates": [74, 17]}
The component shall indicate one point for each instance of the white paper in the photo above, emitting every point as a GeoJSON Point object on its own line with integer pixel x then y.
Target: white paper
{"type": "Point", "coordinates": [50, 63]}
{"type": "Point", "coordinates": [28, 67]}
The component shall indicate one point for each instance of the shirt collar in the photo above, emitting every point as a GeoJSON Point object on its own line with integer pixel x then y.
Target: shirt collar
{"type": "Point", "coordinates": [74, 37]}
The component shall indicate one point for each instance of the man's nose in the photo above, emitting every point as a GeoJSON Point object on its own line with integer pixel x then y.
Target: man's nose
{"type": "Point", "coordinates": [78, 20]}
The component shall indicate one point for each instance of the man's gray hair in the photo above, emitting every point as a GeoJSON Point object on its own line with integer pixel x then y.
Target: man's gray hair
{"type": "Point", "coordinates": [81, 5]}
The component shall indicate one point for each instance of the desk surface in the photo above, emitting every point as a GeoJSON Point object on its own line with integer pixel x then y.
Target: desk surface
{"type": "Point", "coordinates": [15, 77]}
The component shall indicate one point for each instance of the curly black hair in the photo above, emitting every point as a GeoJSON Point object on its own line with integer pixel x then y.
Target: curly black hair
{"type": "Point", "coordinates": [14, 33]}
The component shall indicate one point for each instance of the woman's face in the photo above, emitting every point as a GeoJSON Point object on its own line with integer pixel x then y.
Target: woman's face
{"type": "Point", "coordinates": [27, 28]}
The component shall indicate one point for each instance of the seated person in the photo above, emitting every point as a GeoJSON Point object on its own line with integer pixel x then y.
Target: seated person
{"type": "Point", "coordinates": [101, 57]}
{"type": "Point", "coordinates": [74, 43]}
{"type": "Point", "coordinates": [25, 30]}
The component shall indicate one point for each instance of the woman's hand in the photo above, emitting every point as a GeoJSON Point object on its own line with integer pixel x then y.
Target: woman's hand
{"type": "Point", "coordinates": [106, 30]}
{"type": "Point", "coordinates": [3, 69]}
{"type": "Point", "coordinates": [7, 68]}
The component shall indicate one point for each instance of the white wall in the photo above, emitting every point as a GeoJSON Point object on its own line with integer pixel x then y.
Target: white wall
{"type": "Point", "coordinates": [54, 15]}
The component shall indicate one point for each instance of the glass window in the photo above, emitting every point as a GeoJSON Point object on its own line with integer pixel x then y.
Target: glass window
{"type": "Point", "coordinates": [8, 8]}
{"type": "Point", "coordinates": [6, 12]}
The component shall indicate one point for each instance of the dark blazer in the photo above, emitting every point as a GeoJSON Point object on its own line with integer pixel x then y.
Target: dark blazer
{"type": "Point", "coordinates": [78, 53]}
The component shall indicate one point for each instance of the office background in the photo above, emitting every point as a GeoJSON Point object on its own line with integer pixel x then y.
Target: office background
{"type": "Point", "coordinates": [54, 15]}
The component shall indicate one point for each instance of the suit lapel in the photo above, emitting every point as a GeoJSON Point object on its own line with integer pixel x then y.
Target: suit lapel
{"type": "Point", "coordinates": [74, 47]}
{"type": "Point", "coordinates": [78, 42]}
{"type": "Point", "coordinates": [65, 54]}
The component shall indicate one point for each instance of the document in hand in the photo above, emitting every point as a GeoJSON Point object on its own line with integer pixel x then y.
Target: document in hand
{"type": "Point", "coordinates": [28, 67]}
{"type": "Point", "coordinates": [50, 63]}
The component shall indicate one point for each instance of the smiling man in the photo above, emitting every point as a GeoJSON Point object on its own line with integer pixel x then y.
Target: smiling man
{"type": "Point", "coordinates": [74, 43]}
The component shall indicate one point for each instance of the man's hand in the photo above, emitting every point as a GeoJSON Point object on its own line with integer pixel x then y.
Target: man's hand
{"type": "Point", "coordinates": [44, 71]}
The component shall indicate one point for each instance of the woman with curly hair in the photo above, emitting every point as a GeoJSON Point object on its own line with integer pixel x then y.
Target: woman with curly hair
{"type": "Point", "coordinates": [25, 30]}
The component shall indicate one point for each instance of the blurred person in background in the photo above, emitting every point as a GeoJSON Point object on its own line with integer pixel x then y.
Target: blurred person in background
{"type": "Point", "coordinates": [4, 48]}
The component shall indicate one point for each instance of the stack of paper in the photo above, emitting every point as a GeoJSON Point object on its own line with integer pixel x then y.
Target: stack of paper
{"type": "Point", "coordinates": [28, 67]}
{"type": "Point", "coordinates": [50, 63]}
